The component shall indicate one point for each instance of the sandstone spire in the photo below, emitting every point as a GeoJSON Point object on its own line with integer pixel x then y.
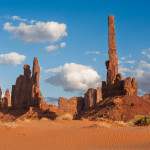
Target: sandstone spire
{"type": "Point", "coordinates": [35, 73]}
{"type": "Point", "coordinates": [112, 63]}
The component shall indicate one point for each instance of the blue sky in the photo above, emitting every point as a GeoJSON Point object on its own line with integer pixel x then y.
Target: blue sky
{"type": "Point", "coordinates": [84, 34]}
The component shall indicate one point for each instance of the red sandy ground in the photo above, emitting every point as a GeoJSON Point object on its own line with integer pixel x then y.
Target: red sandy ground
{"type": "Point", "coordinates": [72, 135]}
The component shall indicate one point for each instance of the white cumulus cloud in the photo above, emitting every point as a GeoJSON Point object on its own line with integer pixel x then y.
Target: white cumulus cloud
{"type": "Point", "coordinates": [12, 58]}
{"type": "Point", "coordinates": [51, 48]}
{"type": "Point", "coordinates": [38, 32]}
{"type": "Point", "coordinates": [54, 47]}
{"type": "Point", "coordinates": [74, 77]}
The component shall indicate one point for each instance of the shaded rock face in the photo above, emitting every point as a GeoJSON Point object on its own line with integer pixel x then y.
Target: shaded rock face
{"type": "Point", "coordinates": [92, 97]}
{"type": "Point", "coordinates": [26, 92]}
{"type": "Point", "coordinates": [73, 106]}
{"type": "Point", "coordinates": [114, 85]}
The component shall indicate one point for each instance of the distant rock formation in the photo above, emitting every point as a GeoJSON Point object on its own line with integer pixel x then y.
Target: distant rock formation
{"type": "Point", "coordinates": [26, 92]}
{"type": "Point", "coordinates": [92, 97]}
{"type": "Point", "coordinates": [5, 102]}
{"type": "Point", "coordinates": [73, 106]}
{"type": "Point", "coordinates": [114, 85]}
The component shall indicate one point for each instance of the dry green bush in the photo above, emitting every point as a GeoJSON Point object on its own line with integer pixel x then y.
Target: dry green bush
{"type": "Point", "coordinates": [65, 117]}
{"type": "Point", "coordinates": [141, 120]}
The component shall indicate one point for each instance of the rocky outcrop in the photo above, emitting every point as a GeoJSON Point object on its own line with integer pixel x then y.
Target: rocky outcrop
{"type": "Point", "coordinates": [114, 85]}
{"type": "Point", "coordinates": [26, 92]}
{"type": "Point", "coordinates": [73, 106]}
{"type": "Point", "coordinates": [122, 108]}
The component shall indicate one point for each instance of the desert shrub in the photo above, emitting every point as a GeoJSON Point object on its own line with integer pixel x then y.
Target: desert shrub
{"type": "Point", "coordinates": [141, 120]}
{"type": "Point", "coordinates": [44, 119]}
{"type": "Point", "coordinates": [29, 120]}
{"type": "Point", "coordinates": [65, 117]}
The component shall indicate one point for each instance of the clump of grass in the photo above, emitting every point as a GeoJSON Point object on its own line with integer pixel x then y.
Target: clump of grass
{"type": "Point", "coordinates": [28, 120]}
{"type": "Point", "coordinates": [102, 125]}
{"type": "Point", "coordinates": [65, 117]}
{"type": "Point", "coordinates": [44, 119]}
{"type": "Point", "coordinates": [123, 124]}
{"type": "Point", "coordinates": [10, 125]}
{"type": "Point", "coordinates": [141, 120]}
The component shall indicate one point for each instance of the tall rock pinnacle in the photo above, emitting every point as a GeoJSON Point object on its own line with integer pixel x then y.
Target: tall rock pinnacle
{"type": "Point", "coordinates": [112, 63]}
{"type": "Point", "coordinates": [36, 72]}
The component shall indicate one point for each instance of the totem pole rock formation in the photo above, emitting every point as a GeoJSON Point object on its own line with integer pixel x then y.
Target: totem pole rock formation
{"type": "Point", "coordinates": [26, 92]}
{"type": "Point", "coordinates": [112, 63]}
{"type": "Point", "coordinates": [114, 85]}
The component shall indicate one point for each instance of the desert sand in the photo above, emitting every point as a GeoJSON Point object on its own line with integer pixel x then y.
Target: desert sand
{"type": "Point", "coordinates": [71, 135]}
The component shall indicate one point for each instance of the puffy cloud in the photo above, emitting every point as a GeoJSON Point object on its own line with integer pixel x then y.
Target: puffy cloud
{"type": "Point", "coordinates": [18, 18]}
{"type": "Point", "coordinates": [39, 32]}
{"type": "Point", "coordinates": [92, 52]}
{"type": "Point", "coordinates": [63, 44]}
{"type": "Point", "coordinates": [51, 48]}
{"type": "Point", "coordinates": [54, 47]}
{"type": "Point", "coordinates": [12, 58]}
{"type": "Point", "coordinates": [74, 77]}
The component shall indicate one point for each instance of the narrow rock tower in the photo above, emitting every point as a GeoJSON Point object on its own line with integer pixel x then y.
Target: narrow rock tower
{"type": "Point", "coordinates": [112, 63]}
{"type": "Point", "coordinates": [114, 85]}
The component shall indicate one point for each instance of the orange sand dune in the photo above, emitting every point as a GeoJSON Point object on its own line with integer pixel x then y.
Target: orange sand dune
{"type": "Point", "coordinates": [72, 135]}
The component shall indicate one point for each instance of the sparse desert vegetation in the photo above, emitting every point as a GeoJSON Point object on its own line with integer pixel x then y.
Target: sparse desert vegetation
{"type": "Point", "coordinates": [65, 117]}
{"type": "Point", "coordinates": [141, 120]}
